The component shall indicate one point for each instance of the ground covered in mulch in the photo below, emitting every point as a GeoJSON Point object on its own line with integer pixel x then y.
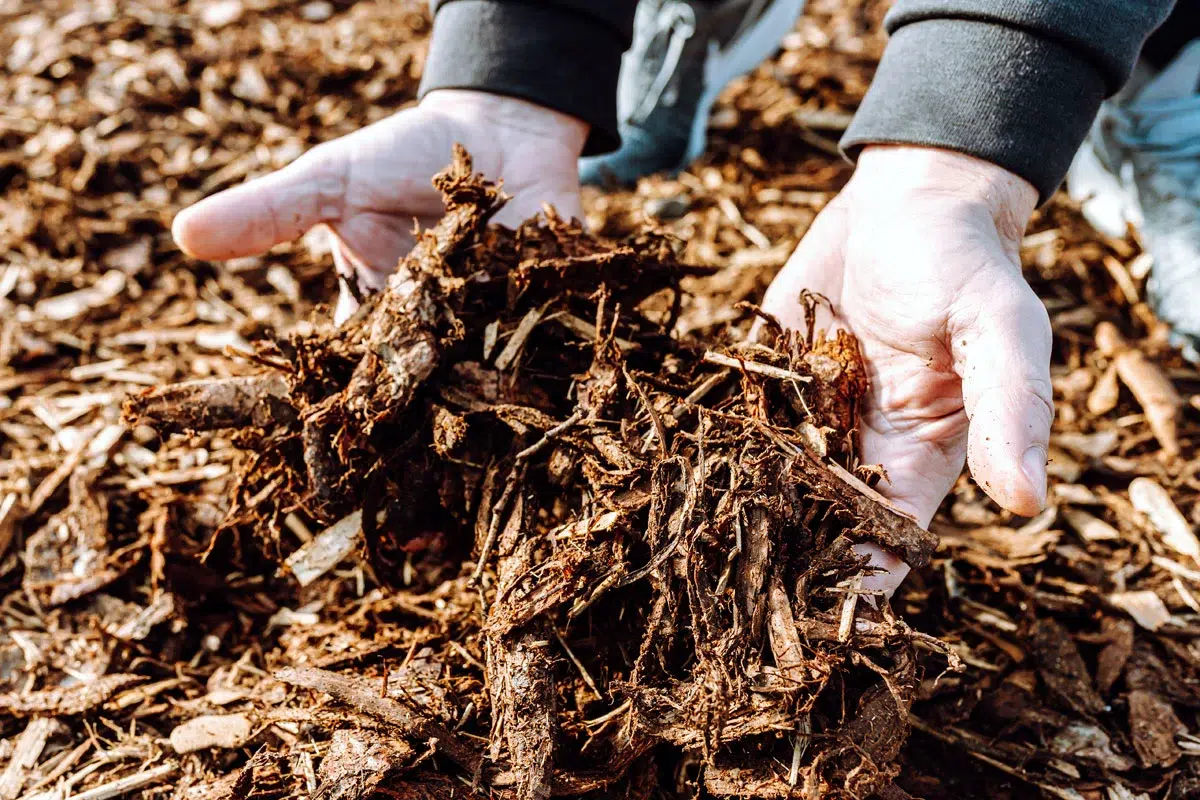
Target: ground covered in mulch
{"type": "Point", "coordinates": [543, 518]}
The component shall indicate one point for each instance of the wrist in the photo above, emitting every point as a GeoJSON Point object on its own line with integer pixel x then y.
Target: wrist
{"type": "Point", "coordinates": [509, 116]}
{"type": "Point", "coordinates": [946, 175]}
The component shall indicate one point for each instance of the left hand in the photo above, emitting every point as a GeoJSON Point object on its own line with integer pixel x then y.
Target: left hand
{"type": "Point", "coordinates": [368, 188]}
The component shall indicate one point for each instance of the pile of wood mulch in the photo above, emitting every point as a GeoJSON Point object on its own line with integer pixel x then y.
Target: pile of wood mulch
{"type": "Point", "coordinates": [571, 530]}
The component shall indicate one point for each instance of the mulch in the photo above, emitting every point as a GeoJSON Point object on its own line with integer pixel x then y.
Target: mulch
{"type": "Point", "coordinates": [545, 518]}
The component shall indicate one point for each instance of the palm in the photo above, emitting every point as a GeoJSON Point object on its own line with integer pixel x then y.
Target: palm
{"type": "Point", "coordinates": [369, 188]}
{"type": "Point", "coordinates": [389, 165]}
{"type": "Point", "coordinates": [956, 345]}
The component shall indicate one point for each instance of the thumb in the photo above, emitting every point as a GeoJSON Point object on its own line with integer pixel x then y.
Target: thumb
{"type": "Point", "coordinates": [251, 218]}
{"type": "Point", "coordinates": [1002, 353]}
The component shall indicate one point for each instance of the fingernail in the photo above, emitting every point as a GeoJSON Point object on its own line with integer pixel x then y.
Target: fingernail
{"type": "Point", "coordinates": [1033, 464]}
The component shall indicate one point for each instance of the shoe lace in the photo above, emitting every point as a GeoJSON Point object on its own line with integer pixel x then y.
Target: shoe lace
{"type": "Point", "coordinates": [1167, 132]}
{"type": "Point", "coordinates": [677, 21]}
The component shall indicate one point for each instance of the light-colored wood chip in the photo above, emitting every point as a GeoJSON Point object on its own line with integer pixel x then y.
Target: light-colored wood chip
{"type": "Point", "coordinates": [1152, 500]}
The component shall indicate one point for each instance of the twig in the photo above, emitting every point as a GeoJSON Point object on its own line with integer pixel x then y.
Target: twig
{"type": "Point", "coordinates": [52, 481]}
{"type": "Point", "coordinates": [25, 755]}
{"type": "Point", "coordinates": [498, 508]}
{"type": "Point", "coordinates": [654, 417]}
{"type": "Point", "coordinates": [587, 330]}
{"type": "Point", "coordinates": [128, 784]}
{"type": "Point", "coordinates": [587, 676]}
{"type": "Point", "coordinates": [754, 366]}
{"type": "Point", "coordinates": [517, 341]}
{"type": "Point", "coordinates": [1016, 772]}
{"type": "Point", "coordinates": [489, 542]}
{"type": "Point", "coordinates": [700, 392]}
{"type": "Point", "coordinates": [550, 435]}
{"type": "Point", "coordinates": [364, 696]}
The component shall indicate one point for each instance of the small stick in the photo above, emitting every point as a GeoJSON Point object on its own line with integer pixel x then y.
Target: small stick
{"type": "Point", "coordinates": [25, 755]}
{"type": "Point", "coordinates": [540, 444]}
{"type": "Point", "coordinates": [494, 524]}
{"type": "Point", "coordinates": [128, 784]}
{"type": "Point", "coordinates": [846, 626]}
{"type": "Point", "coordinates": [587, 677]}
{"type": "Point", "coordinates": [525, 327]}
{"type": "Point", "coordinates": [52, 481]}
{"type": "Point", "coordinates": [359, 693]}
{"type": "Point", "coordinates": [654, 417]}
{"type": "Point", "coordinates": [757, 368]}
{"type": "Point", "coordinates": [493, 532]}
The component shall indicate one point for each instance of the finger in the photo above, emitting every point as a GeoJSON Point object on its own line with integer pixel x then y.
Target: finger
{"type": "Point", "coordinates": [889, 569]}
{"type": "Point", "coordinates": [251, 218]}
{"type": "Point", "coordinates": [528, 202]}
{"type": "Point", "coordinates": [1002, 354]}
{"type": "Point", "coordinates": [922, 458]}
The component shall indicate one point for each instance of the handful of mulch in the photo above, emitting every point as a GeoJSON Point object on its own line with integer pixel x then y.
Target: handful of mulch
{"type": "Point", "coordinates": [655, 535]}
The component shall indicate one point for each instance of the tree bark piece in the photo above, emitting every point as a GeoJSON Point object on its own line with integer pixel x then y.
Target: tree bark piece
{"type": "Point", "coordinates": [259, 401]}
{"type": "Point", "coordinates": [363, 695]}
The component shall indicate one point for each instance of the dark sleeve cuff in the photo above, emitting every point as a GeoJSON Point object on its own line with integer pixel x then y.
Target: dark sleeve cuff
{"type": "Point", "coordinates": [1009, 97]}
{"type": "Point", "coordinates": [542, 53]}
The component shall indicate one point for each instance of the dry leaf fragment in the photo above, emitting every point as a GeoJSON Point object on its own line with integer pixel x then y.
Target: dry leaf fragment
{"type": "Point", "coordinates": [1152, 500]}
{"type": "Point", "coordinates": [1116, 654]}
{"type": "Point", "coordinates": [1154, 726]}
{"type": "Point", "coordinates": [1062, 668]}
{"type": "Point", "coordinates": [1088, 740]}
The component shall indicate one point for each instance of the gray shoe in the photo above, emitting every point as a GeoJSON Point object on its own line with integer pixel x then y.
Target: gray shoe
{"type": "Point", "coordinates": [1141, 166]}
{"type": "Point", "coordinates": [684, 53]}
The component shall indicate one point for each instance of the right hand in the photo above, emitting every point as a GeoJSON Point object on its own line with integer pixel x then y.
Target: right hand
{"type": "Point", "coordinates": [920, 255]}
{"type": "Point", "coordinates": [370, 187]}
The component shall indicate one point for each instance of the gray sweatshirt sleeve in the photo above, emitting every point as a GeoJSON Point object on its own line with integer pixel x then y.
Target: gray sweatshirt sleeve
{"type": "Point", "coordinates": [1014, 82]}
{"type": "Point", "coordinates": [562, 54]}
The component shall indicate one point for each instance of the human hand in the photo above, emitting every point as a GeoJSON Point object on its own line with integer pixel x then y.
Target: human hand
{"type": "Point", "coordinates": [370, 186]}
{"type": "Point", "coordinates": [919, 256]}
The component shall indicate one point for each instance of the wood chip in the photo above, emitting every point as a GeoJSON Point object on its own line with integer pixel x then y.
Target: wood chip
{"type": "Point", "coordinates": [1090, 528]}
{"type": "Point", "coordinates": [68, 306]}
{"type": "Point", "coordinates": [1146, 608]}
{"type": "Point", "coordinates": [1152, 499]}
{"type": "Point", "coordinates": [226, 732]}
{"type": "Point", "coordinates": [326, 550]}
